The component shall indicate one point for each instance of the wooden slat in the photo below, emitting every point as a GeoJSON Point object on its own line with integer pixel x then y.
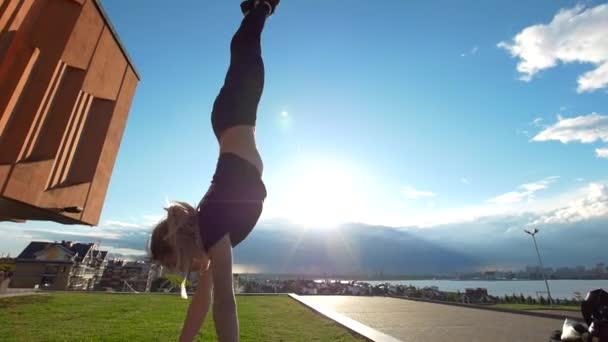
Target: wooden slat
{"type": "Point", "coordinates": [49, 139]}
{"type": "Point", "coordinates": [106, 70]}
{"type": "Point", "coordinates": [21, 14]}
{"type": "Point", "coordinates": [10, 107]}
{"type": "Point", "coordinates": [105, 166]}
{"type": "Point", "coordinates": [45, 105]}
{"type": "Point", "coordinates": [91, 141]}
{"type": "Point", "coordinates": [85, 37]}
{"type": "Point", "coordinates": [76, 138]}
{"type": "Point", "coordinates": [7, 13]}
{"type": "Point", "coordinates": [57, 165]}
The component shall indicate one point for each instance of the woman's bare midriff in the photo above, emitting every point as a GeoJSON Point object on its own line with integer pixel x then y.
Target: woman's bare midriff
{"type": "Point", "coordinates": [240, 140]}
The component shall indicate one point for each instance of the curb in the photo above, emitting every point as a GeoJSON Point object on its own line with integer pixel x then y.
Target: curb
{"type": "Point", "coordinates": [489, 308]}
{"type": "Point", "coordinates": [348, 323]}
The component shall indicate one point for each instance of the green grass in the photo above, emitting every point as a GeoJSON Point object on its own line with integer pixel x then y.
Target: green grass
{"type": "Point", "coordinates": [119, 317]}
{"type": "Point", "coordinates": [538, 307]}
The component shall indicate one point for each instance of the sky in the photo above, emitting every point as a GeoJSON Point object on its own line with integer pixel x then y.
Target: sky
{"type": "Point", "coordinates": [396, 113]}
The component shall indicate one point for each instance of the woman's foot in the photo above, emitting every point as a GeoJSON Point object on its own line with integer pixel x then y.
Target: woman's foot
{"type": "Point", "coordinates": [270, 5]}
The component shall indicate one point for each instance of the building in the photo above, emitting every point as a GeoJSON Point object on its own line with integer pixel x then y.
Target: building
{"type": "Point", "coordinates": [66, 87]}
{"type": "Point", "coordinates": [125, 276]}
{"type": "Point", "coordinates": [59, 266]}
{"type": "Point", "coordinates": [477, 296]}
{"type": "Point", "coordinates": [599, 271]}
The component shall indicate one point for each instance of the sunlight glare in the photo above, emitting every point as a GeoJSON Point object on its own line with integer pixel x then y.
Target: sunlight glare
{"type": "Point", "coordinates": [324, 194]}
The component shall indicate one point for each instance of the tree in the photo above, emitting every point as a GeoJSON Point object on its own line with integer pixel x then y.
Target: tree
{"type": "Point", "coordinates": [529, 300]}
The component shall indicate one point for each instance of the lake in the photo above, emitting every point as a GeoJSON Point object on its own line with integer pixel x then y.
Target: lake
{"type": "Point", "coordinates": [559, 288]}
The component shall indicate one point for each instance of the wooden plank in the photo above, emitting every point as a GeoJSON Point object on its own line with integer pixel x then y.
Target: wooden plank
{"type": "Point", "coordinates": [41, 113]}
{"type": "Point", "coordinates": [107, 68]}
{"type": "Point", "coordinates": [94, 133]}
{"type": "Point", "coordinates": [109, 152]}
{"type": "Point", "coordinates": [85, 36]}
{"type": "Point", "coordinates": [21, 14]}
{"type": "Point", "coordinates": [50, 34]}
{"type": "Point", "coordinates": [52, 130]}
{"type": "Point", "coordinates": [12, 102]}
{"type": "Point", "coordinates": [7, 13]}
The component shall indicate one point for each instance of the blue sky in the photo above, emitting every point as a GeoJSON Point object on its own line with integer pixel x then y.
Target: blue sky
{"type": "Point", "coordinates": [397, 113]}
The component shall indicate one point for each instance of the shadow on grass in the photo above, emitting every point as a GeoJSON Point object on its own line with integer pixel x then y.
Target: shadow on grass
{"type": "Point", "coordinates": [12, 302]}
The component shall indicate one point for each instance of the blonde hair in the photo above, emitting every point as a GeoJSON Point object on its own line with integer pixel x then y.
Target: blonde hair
{"type": "Point", "coordinates": [175, 236]}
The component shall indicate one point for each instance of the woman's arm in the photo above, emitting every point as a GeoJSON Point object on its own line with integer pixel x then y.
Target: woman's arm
{"type": "Point", "coordinates": [198, 307]}
{"type": "Point", "coordinates": [224, 303]}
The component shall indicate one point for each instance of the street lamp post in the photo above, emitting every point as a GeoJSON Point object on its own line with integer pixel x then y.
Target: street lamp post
{"type": "Point", "coordinates": [533, 233]}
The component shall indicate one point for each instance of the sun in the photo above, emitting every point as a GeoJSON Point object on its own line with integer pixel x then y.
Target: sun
{"type": "Point", "coordinates": [323, 193]}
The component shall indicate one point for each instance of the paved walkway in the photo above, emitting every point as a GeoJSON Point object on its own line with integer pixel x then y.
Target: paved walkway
{"type": "Point", "coordinates": [18, 292]}
{"type": "Point", "coordinates": [419, 321]}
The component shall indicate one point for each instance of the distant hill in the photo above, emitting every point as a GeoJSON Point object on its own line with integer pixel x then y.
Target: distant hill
{"type": "Point", "coordinates": [350, 248]}
{"type": "Point", "coordinates": [486, 243]}
{"type": "Point", "coordinates": [282, 247]}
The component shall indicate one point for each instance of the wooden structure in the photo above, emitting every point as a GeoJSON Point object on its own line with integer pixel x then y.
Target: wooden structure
{"type": "Point", "coordinates": [66, 87]}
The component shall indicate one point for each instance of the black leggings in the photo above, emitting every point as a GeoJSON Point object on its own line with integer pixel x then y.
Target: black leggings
{"type": "Point", "coordinates": [234, 202]}
{"type": "Point", "coordinates": [237, 102]}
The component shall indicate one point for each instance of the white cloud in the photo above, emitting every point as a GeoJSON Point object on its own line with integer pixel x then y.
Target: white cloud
{"type": "Point", "coordinates": [601, 152]}
{"type": "Point", "coordinates": [524, 192]}
{"type": "Point", "coordinates": [124, 251]}
{"type": "Point", "coordinates": [536, 122]}
{"type": "Point", "coordinates": [473, 51]}
{"type": "Point", "coordinates": [151, 219]}
{"type": "Point", "coordinates": [120, 224]}
{"type": "Point", "coordinates": [94, 233]}
{"type": "Point", "coordinates": [412, 193]}
{"type": "Point", "coordinates": [585, 129]}
{"type": "Point", "coordinates": [576, 35]}
{"type": "Point", "coordinates": [593, 203]}
{"type": "Point", "coordinates": [465, 181]}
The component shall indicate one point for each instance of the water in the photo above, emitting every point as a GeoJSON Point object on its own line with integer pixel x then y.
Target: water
{"type": "Point", "coordinates": [559, 288]}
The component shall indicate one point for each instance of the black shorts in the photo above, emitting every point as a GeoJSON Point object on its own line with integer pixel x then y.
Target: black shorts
{"type": "Point", "coordinates": [233, 204]}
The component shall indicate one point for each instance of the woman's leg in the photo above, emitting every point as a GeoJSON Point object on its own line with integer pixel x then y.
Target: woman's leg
{"type": "Point", "coordinates": [238, 99]}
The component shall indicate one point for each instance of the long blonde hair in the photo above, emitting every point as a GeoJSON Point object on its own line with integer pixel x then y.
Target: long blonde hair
{"type": "Point", "coordinates": [176, 236]}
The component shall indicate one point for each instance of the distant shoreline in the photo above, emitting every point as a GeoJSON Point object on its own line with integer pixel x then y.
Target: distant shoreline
{"type": "Point", "coordinates": [366, 279]}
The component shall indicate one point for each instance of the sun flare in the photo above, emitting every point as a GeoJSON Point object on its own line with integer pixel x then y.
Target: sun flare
{"type": "Point", "coordinates": [323, 193]}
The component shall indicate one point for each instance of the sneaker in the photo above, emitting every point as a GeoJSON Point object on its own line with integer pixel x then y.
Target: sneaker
{"type": "Point", "coordinates": [248, 5]}
{"type": "Point", "coordinates": [272, 6]}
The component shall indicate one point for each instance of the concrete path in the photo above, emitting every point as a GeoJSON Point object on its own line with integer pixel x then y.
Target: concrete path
{"type": "Point", "coordinates": [419, 321]}
{"type": "Point", "coordinates": [349, 323]}
{"type": "Point", "coordinates": [19, 292]}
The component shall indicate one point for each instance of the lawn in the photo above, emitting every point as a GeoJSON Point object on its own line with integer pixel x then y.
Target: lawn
{"type": "Point", "coordinates": [149, 317]}
{"type": "Point", "coordinates": [538, 307]}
